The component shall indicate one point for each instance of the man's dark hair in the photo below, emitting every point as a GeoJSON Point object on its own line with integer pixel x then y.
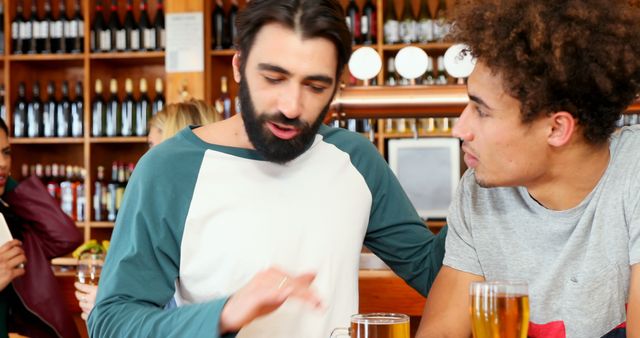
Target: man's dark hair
{"type": "Point", "coordinates": [579, 56]}
{"type": "Point", "coordinates": [311, 18]}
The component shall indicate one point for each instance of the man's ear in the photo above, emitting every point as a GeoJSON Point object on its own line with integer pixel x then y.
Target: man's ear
{"type": "Point", "coordinates": [236, 67]}
{"type": "Point", "coordinates": [562, 127]}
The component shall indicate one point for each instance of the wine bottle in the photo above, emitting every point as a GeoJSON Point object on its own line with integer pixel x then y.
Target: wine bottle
{"type": "Point", "coordinates": [231, 31]}
{"type": "Point", "coordinates": [217, 26]}
{"type": "Point", "coordinates": [100, 34]}
{"type": "Point", "coordinates": [20, 112]}
{"type": "Point", "coordinates": [99, 211]}
{"type": "Point", "coordinates": [17, 30]}
{"type": "Point", "coordinates": [407, 23]}
{"type": "Point", "coordinates": [34, 113]}
{"type": "Point", "coordinates": [158, 100]}
{"type": "Point", "coordinates": [391, 24]}
{"type": "Point", "coordinates": [49, 111]}
{"type": "Point", "coordinates": [33, 29]}
{"type": "Point", "coordinates": [143, 110]}
{"type": "Point", "coordinates": [98, 112]}
{"type": "Point", "coordinates": [353, 21]}
{"type": "Point", "coordinates": [45, 29]}
{"type": "Point", "coordinates": [62, 28]}
{"type": "Point", "coordinates": [425, 23]}
{"type": "Point", "coordinates": [132, 30]}
{"type": "Point", "coordinates": [148, 32]}
{"type": "Point", "coordinates": [113, 111]}
{"type": "Point", "coordinates": [158, 25]}
{"type": "Point", "coordinates": [75, 39]}
{"type": "Point", "coordinates": [77, 112]}
{"type": "Point", "coordinates": [128, 109]}
{"type": "Point", "coordinates": [63, 112]}
{"type": "Point", "coordinates": [369, 23]}
{"type": "Point", "coordinates": [223, 103]}
{"type": "Point", "coordinates": [116, 30]}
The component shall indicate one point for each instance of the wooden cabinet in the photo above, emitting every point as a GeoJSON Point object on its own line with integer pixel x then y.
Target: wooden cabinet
{"type": "Point", "coordinates": [86, 67]}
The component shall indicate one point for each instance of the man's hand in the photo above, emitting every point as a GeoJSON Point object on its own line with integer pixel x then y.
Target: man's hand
{"type": "Point", "coordinates": [264, 293]}
{"type": "Point", "coordinates": [86, 296]}
{"type": "Point", "coordinates": [12, 260]}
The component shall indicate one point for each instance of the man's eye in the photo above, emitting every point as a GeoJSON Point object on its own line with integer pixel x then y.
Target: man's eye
{"type": "Point", "coordinates": [272, 80]}
{"type": "Point", "coordinates": [317, 89]}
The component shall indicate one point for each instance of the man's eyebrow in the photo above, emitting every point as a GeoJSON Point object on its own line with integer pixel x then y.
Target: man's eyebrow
{"type": "Point", "coordinates": [479, 101]}
{"type": "Point", "coordinates": [273, 68]}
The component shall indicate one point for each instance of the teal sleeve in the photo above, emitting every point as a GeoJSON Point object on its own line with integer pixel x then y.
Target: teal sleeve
{"type": "Point", "coordinates": [143, 261]}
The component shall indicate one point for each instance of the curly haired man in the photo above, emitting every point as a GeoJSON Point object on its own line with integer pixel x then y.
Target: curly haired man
{"type": "Point", "coordinates": [551, 194]}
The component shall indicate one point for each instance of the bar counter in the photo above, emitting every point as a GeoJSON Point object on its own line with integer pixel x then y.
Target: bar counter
{"type": "Point", "coordinates": [380, 291]}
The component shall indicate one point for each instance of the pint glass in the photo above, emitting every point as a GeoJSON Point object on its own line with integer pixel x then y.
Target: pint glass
{"type": "Point", "coordinates": [376, 325]}
{"type": "Point", "coordinates": [499, 309]}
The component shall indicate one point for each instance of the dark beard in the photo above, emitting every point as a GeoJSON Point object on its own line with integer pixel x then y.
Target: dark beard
{"type": "Point", "coordinates": [269, 146]}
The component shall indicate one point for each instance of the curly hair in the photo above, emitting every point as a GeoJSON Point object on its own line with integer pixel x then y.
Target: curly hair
{"type": "Point", "coordinates": [579, 56]}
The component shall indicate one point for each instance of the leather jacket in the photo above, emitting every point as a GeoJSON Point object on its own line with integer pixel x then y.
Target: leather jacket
{"type": "Point", "coordinates": [46, 232]}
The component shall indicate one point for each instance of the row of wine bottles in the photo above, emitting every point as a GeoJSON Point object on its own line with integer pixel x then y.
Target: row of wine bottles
{"type": "Point", "coordinates": [223, 25]}
{"type": "Point", "coordinates": [397, 125]}
{"type": "Point", "coordinates": [429, 78]}
{"type": "Point", "coordinates": [410, 28]}
{"type": "Point", "coordinates": [49, 33]}
{"type": "Point", "coordinates": [51, 118]}
{"type": "Point", "coordinates": [65, 183]}
{"type": "Point", "coordinates": [65, 117]}
{"type": "Point", "coordinates": [628, 120]}
{"type": "Point", "coordinates": [127, 117]}
{"type": "Point", "coordinates": [107, 195]}
{"type": "Point", "coordinates": [132, 35]}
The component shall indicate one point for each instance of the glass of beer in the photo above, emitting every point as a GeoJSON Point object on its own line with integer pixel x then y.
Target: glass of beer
{"type": "Point", "coordinates": [499, 309]}
{"type": "Point", "coordinates": [89, 268]}
{"type": "Point", "coordinates": [376, 325]}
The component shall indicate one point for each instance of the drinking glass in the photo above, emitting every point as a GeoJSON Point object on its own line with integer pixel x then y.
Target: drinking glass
{"type": "Point", "coordinates": [499, 309]}
{"type": "Point", "coordinates": [89, 268]}
{"type": "Point", "coordinates": [376, 325]}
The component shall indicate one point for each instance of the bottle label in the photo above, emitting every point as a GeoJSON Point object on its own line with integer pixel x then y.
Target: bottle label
{"type": "Point", "coordinates": [365, 24]}
{"type": "Point", "coordinates": [425, 31]}
{"type": "Point", "coordinates": [44, 29]}
{"type": "Point", "coordinates": [25, 30]}
{"type": "Point", "coordinates": [56, 29]}
{"type": "Point", "coordinates": [15, 30]}
{"type": "Point", "coordinates": [35, 30]}
{"type": "Point", "coordinates": [105, 40]}
{"type": "Point", "coordinates": [80, 24]}
{"type": "Point", "coordinates": [121, 39]}
{"type": "Point", "coordinates": [408, 31]}
{"type": "Point", "coordinates": [162, 38]}
{"type": "Point", "coordinates": [391, 31]}
{"type": "Point", "coordinates": [135, 39]}
{"type": "Point", "coordinates": [149, 38]}
{"type": "Point", "coordinates": [73, 29]}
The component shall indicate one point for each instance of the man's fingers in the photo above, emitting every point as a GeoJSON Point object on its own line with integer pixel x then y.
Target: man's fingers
{"type": "Point", "coordinates": [9, 245]}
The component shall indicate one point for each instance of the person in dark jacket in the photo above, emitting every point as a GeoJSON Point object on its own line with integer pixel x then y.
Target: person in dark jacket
{"type": "Point", "coordinates": [30, 300]}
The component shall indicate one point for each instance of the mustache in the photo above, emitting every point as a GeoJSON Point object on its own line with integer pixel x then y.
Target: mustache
{"type": "Point", "coordinates": [279, 117]}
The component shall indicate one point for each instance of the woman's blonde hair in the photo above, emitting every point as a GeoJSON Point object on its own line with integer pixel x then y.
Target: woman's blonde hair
{"type": "Point", "coordinates": [176, 116]}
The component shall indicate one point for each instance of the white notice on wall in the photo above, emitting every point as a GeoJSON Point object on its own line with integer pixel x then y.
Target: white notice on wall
{"type": "Point", "coordinates": [185, 42]}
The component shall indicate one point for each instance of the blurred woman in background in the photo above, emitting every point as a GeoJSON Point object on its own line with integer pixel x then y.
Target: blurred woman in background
{"type": "Point", "coordinates": [164, 125]}
{"type": "Point", "coordinates": [30, 300]}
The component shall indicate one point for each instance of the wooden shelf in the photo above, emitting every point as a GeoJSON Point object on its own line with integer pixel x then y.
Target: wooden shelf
{"type": "Point", "coordinates": [46, 140]}
{"type": "Point", "coordinates": [119, 139]}
{"type": "Point", "coordinates": [127, 55]}
{"type": "Point", "coordinates": [81, 224]}
{"type": "Point", "coordinates": [223, 52]}
{"type": "Point", "coordinates": [105, 225]}
{"type": "Point", "coordinates": [420, 134]}
{"type": "Point", "coordinates": [46, 57]}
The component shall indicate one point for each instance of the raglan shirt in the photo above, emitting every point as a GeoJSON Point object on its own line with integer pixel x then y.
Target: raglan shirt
{"type": "Point", "coordinates": [577, 261]}
{"type": "Point", "coordinates": [201, 220]}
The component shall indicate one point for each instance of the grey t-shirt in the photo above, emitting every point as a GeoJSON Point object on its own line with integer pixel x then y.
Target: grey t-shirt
{"type": "Point", "coordinates": [577, 261]}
